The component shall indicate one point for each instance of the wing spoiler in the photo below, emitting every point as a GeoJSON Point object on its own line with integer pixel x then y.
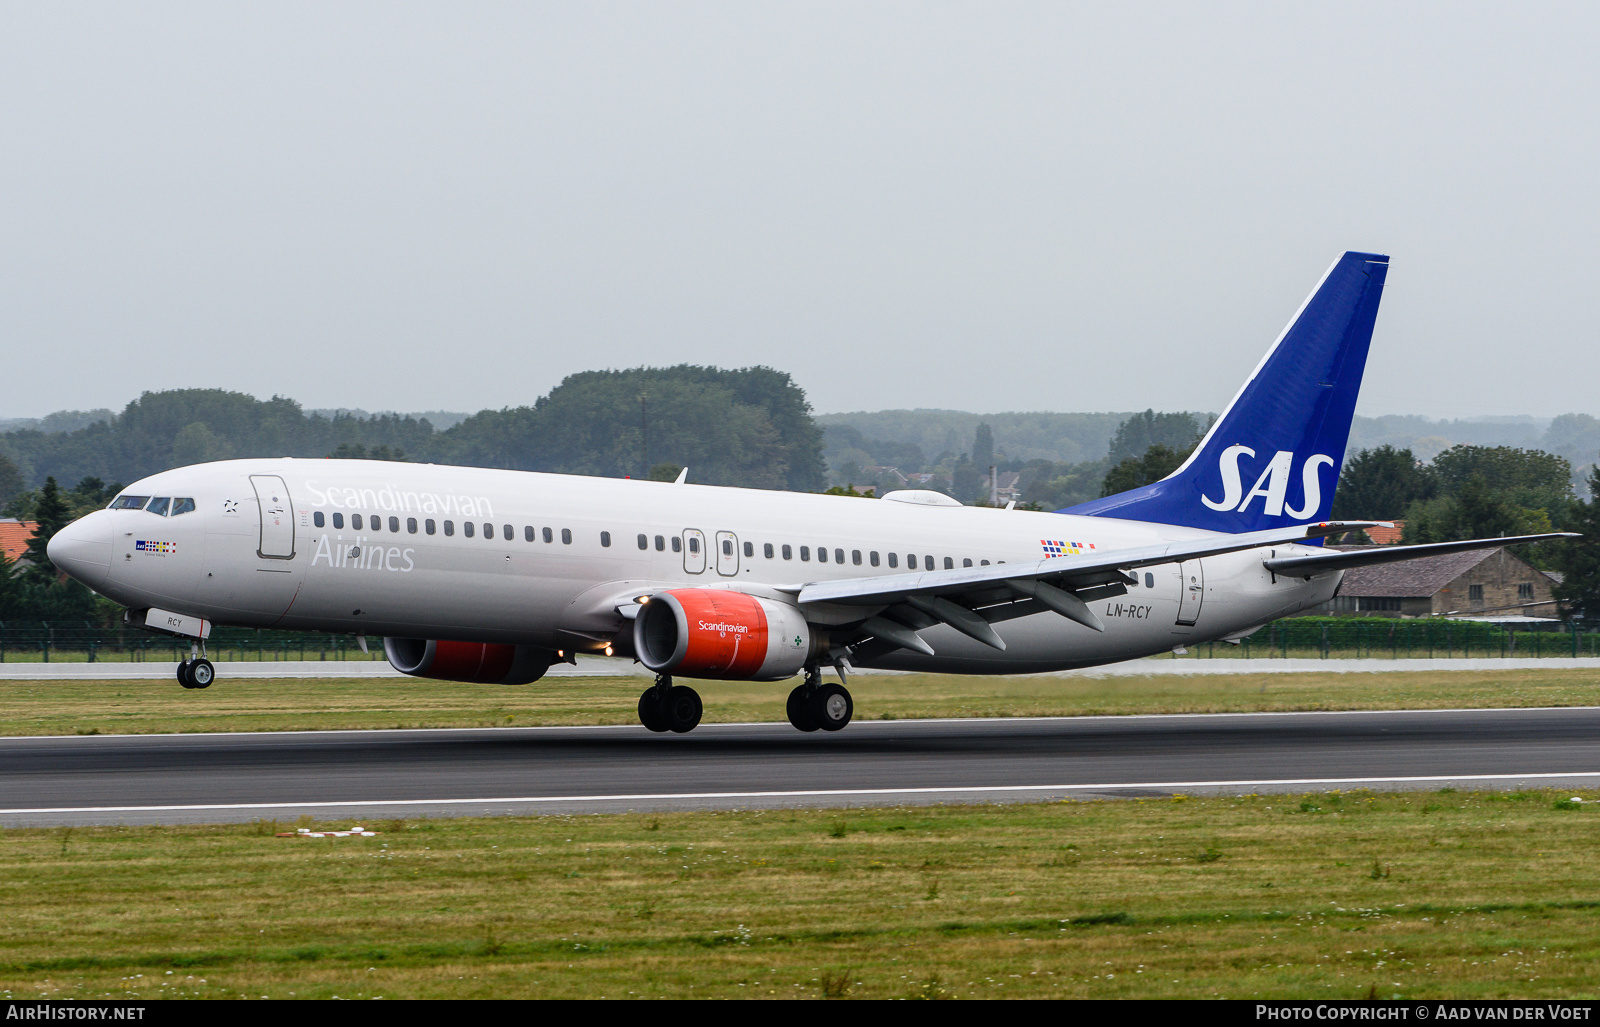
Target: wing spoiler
{"type": "Point", "coordinates": [1296, 566]}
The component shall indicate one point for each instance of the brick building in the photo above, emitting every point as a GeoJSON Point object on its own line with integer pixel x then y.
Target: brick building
{"type": "Point", "coordinates": [1484, 582]}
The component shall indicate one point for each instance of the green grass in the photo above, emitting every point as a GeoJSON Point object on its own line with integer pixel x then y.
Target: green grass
{"type": "Point", "coordinates": [1339, 895]}
{"type": "Point", "coordinates": [249, 704]}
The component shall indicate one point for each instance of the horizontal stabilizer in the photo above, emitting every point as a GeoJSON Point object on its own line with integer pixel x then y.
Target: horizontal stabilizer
{"type": "Point", "coordinates": [1335, 561]}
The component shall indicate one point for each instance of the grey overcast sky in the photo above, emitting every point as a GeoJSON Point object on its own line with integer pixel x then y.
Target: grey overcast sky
{"type": "Point", "coordinates": [989, 206]}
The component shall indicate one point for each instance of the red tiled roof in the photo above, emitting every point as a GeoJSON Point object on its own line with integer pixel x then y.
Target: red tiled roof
{"type": "Point", "coordinates": [1387, 536]}
{"type": "Point", "coordinates": [15, 535]}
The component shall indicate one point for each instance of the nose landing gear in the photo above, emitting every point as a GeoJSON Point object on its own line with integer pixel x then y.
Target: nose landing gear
{"type": "Point", "coordinates": [196, 671]}
{"type": "Point", "coordinates": [669, 707]}
{"type": "Point", "coordinates": [814, 705]}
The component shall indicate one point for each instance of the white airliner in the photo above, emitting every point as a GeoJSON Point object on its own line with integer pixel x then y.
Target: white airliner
{"type": "Point", "coordinates": [488, 576]}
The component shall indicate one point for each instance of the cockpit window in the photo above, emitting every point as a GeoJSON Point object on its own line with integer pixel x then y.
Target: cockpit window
{"type": "Point", "coordinates": [182, 506]}
{"type": "Point", "coordinates": [129, 502]}
{"type": "Point", "coordinates": [158, 506]}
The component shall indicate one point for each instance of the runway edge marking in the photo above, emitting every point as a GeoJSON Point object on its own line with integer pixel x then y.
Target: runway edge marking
{"type": "Point", "coordinates": [809, 793]}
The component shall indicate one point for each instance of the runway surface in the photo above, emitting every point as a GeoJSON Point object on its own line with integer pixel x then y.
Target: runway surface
{"type": "Point", "coordinates": [367, 774]}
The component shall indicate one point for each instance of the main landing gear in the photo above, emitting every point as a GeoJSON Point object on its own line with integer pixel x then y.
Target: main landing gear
{"type": "Point", "coordinates": [815, 705]}
{"type": "Point", "coordinates": [668, 707]}
{"type": "Point", "coordinates": [196, 671]}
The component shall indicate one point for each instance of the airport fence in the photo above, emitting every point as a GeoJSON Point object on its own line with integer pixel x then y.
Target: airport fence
{"type": "Point", "coordinates": [1293, 638]}
{"type": "Point", "coordinates": [53, 642]}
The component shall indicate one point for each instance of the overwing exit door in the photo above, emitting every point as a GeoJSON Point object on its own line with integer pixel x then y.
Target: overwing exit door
{"type": "Point", "coordinates": [727, 553]}
{"type": "Point", "coordinates": [694, 550]}
{"type": "Point", "coordinates": [1191, 590]}
{"type": "Point", "coordinates": [277, 522]}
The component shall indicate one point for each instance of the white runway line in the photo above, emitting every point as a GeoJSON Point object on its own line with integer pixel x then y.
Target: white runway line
{"type": "Point", "coordinates": [1312, 782]}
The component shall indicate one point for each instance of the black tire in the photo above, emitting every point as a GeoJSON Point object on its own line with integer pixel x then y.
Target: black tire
{"type": "Point", "coordinates": [201, 674]}
{"type": "Point", "coordinates": [831, 707]}
{"type": "Point", "coordinates": [650, 711]}
{"type": "Point", "coordinates": [682, 709]}
{"type": "Point", "coordinates": [799, 711]}
{"type": "Point", "coordinates": [183, 675]}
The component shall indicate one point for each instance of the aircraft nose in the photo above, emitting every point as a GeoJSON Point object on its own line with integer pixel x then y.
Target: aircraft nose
{"type": "Point", "coordinates": [83, 549]}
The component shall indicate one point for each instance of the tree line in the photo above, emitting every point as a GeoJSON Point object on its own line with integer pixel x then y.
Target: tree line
{"type": "Point", "coordinates": [749, 427]}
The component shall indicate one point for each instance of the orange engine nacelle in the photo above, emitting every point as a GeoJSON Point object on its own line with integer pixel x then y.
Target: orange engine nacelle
{"type": "Point", "coordinates": [485, 662]}
{"type": "Point", "coordinates": [717, 633]}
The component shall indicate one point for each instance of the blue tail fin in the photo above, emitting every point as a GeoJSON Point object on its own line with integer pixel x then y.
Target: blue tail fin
{"type": "Point", "coordinates": [1286, 429]}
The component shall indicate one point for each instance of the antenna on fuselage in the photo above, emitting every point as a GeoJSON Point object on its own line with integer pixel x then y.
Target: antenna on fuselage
{"type": "Point", "coordinates": [682, 477]}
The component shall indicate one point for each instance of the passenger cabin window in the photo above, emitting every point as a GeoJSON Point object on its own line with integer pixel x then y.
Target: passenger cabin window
{"type": "Point", "coordinates": [355, 521]}
{"type": "Point", "coordinates": [316, 518]}
{"type": "Point", "coordinates": [677, 544]}
{"type": "Point", "coordinates": [805, 552]}
{"type": "Point", "coordinates": [822, 554]}
{"type": "Point", "coordinates": [488, 530]}
{"type": "Point", "coordinates": [158, 505]}
{"type": "Point", "coordinates": [727, 547]}
{"type": "Point", "coordinates": [394, 525]}
{"type": "Point", "coordinates": [411, 525]}
{"type": "Point", "coordinates": [949, 563]}
{"type": "Point", "coordinates": [894, 559]}
{"type": "Point", "coordinates": [338, 520]}
{"type": "Point", "coordinates": [605, 539]}
{"type": "Point", "coordinates": [644, 541]}
{"type": "Point", "coordinates": [927, 563]}
{"type": "Point", "coordinates": [749, 549]}
{"type": "Point", "coordinates": [694, 545]}
{"type": "Point", "coordinates": [855, 557]}
{"type": "Point", "coordinates": [911, 561]}
{"type": "Point", "coordinates": [967, 562]}
{"type": "Point", "coordinates": [449, 528]}
{"type": "Point", "coordinates": [507, 533]}
{"type": "Point", "coordinates": [548, 536]}
{"type": "Point", "coordinates": [528, 533]}
{"type": "Point", "coordinates": [467, 528]}
{"type": "Point", "coordinates": [427, 525]}
{"type": "Point", "coordinates": [983, 563]}
{"type": "Point", "coordinates": [566, 536]}
{"type": "Point", "coordinates": [182, 506]}
{"type": "Point", "coordinates": [766, 550]}
{"type": "Point", "coordinates": [129, 502]}
{"type": "Point", "coordinates": [661, 543]}
{"type": "Point", "coordinates": [838, 556]}
{"type": "Point", "coordinates": [788, 554]}
{"type": "Point", "coordinates": [1149, 580]}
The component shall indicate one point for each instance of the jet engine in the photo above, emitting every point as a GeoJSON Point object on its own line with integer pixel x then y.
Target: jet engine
{"type": "Point", "coordinates": [717, 633]}
{"type": "Point", "coordinates": [485, 662]}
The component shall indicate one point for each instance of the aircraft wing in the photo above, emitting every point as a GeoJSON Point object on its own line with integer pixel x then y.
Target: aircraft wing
{"type": "Point", "coordinates": [1295, 566]}
{"type": "Point", "coordinates": [970, 599]}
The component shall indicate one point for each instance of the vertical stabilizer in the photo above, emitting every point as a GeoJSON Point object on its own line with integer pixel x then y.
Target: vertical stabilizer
{"type": "Point", "coordinates": [1273, 457]}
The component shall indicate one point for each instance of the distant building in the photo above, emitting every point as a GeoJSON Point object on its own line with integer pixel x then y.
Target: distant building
{"type": "Point", "coordinates": [1488, 583]}
{"type": "Point", "coordinates": [15, 536]}
{"type": "Point", "coordinates": [1005, 486]}
{"type": "Point", "coordinates": [1387, 536]}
